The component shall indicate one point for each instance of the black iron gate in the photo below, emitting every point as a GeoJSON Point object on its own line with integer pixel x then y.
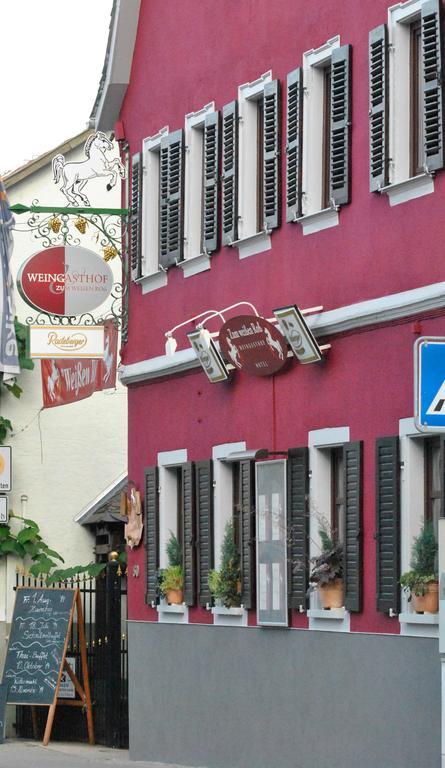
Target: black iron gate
{"type": "Point", "coordinates": [104, 602]}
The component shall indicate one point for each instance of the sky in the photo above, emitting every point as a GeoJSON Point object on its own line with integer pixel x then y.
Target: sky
{"type": "Point", "coordinates": [52, 55]}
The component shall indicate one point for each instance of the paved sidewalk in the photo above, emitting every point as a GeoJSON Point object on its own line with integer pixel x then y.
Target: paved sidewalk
{"type": "Point", "coordinates": [17, 753]}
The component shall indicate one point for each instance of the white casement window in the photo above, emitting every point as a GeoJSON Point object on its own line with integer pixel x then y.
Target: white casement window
{"type": "Point", "coordinates": [420, 501]}
{"type": "Point", "coordinates": [152, 276]}
{"type": "Point", "coordinates": [170, 510]}
{"type": "Point", "coordinates": [318, 124]}
{"type": "Point", "coordinates": [250, 199]}
{"type": "Point", "coordinates": [226, 509]}
{"type": "Point", "coordinates": [201, 149]}
{"type": "Point", "coordinates": [406, 125]}
{"type": "Point", "coordinates": [326, 507]}
{"type": "Point", "coordinates": [251, 166]}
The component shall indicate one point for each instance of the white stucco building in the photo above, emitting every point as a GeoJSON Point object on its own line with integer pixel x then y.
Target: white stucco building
{"type": "Point", "coordinates": [64, 458]}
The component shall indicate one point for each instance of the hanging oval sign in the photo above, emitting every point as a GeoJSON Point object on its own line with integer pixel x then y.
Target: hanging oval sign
{"type": "Point", "coordinates": [65, 280]}
{"type": "Point", "coordinates": [253, 345]}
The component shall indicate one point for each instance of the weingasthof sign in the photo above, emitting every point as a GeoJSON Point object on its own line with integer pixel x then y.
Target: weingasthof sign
{"type": "Point", "coordinates": [253, 345]}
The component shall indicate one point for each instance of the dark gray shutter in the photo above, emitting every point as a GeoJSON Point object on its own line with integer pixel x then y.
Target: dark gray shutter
{"type": "Point", "coordinates": [188, 533]}
{"type": "Point", "coordinates": [432, 84]}
{"type": "Point", "coordinates": [247, 532]}
{"type": "Point", "coordinates": [230, 173]}
{"type": "Point", "coordinates": [340, 155]}
{"type": "Point", "coordinates": [151, 505]}
{"type": "Point", "coordinates": [271, 154]}
{"type": "Point", "coordinates": [352, 545]}
{"type": "Point", "coordinates": [211, 185]}
{"type": "Point", "coordinates": [204, 524]}
{"type": "Point", "coordinates": [387, 524]}
{"type": "Point", "coordinates": [294, 143]}
{"type": "Point", "coordinates": [297, 526]}
{"type": "Point", "coordinates": [136, 217]}
{"type": "Point", "coordinates": [378, 108]}
{"type": "Point", "coordinates": [171, 199]}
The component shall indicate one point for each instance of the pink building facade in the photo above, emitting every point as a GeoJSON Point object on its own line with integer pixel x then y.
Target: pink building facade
{"type": "Point", "coordinates": [284, 154]}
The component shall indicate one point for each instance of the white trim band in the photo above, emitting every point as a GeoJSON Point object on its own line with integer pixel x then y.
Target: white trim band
{"type": "Point", "coordinates": [365, 313]}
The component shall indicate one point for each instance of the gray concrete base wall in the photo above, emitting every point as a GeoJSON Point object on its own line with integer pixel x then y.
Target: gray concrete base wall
{"type": "Point", "coordinates": [224, 697]}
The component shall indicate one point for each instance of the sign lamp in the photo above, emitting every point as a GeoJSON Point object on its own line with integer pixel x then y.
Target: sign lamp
{"type": "Point", "coordinates": [298, 335]}
{"type": "Point", "coordinates": [208, 355]}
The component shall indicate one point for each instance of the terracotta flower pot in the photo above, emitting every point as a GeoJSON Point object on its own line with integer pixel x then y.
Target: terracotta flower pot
{"type": "Point", "coordinates": [428, 603]}
{"type": "Point", "coordinates": [331, 595]}
{"type": "Point", "coordinates": [174, 596]}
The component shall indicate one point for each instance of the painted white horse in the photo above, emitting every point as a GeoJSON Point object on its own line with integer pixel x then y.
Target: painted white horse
{"type": "Point", "coordinates": [76, 175]}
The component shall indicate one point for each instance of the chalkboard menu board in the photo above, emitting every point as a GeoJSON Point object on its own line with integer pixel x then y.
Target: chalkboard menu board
{"type": "Point", "coordinates": [36, 644]}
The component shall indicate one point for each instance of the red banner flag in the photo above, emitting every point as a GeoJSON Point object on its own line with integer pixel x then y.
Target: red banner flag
{"type": "Point", "coordinates": [66, 381]}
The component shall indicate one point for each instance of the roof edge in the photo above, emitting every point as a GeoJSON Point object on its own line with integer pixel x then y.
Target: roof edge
{"type": "Point", "coordinates": [19, 174]}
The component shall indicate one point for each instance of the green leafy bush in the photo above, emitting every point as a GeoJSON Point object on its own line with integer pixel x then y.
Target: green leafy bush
{"type": "Point", "coordinates": [328, 565]}
{"type": "Point", "coordinates": [224, 584]}
{"type": "Point", "coordinates": [423, 563]}
{"type": "Point", "coordinates": [172, 578]}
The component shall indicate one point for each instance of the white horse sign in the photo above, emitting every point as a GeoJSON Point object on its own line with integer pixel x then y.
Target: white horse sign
{"type": "Point", "coordinates": [75, 176]}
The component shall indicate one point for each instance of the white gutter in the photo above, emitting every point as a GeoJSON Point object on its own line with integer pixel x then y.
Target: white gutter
{"type": "Point", "coordinates": [364, 313]}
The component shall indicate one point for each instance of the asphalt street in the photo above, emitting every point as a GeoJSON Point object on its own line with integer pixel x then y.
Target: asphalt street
{"type": "Point", "coordinates": [30, 754]}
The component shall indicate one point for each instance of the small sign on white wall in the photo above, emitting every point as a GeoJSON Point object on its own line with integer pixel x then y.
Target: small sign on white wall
{"type": "Point", "coordinates": [4, 510]}
{"type": "Point", "coordinates": [79, 341]}
{"type": "Point", "coordinates": [5, 468]}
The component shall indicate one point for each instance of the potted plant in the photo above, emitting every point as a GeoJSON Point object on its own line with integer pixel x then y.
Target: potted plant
{"type": "Point", "coordinates": [421, 582]}
{"type": "Point", "coordinates": [225, 584]}
{"type": "Point", "coordinates": [327, 571]}
{"type": "Point", "coordinates": [171, 580]}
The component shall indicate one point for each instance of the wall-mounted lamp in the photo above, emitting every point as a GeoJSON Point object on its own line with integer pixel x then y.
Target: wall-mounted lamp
{"type": "Point", "coordinates": [208, 355]}
{"type": "Point", "coordinates": [170, 344]}
{"type": "Point", "coordinates": [298, 335]}
{"type": "Point", "coordinates": [23, 504]}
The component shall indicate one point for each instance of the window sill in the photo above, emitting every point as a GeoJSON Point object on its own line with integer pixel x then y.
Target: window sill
{"type": "Point", "coordinates": [173, 614]}
{"type": "Point", "coordinates": [249, 246]}
{"type": "Point", "coordinates": [409, 189]}
{"type": "Point", "coordinates": [229, 617]}
{"type": "Point", "coordinates": [333, 620]}
{"type": "Point", "coordinates": [152, 282]}
{"type": "Point", "coordinates": [316, 222]}
{"type": "Point", "coordinates": [195, 264]}
{"type": "Point", "coordinates": [419, 624]}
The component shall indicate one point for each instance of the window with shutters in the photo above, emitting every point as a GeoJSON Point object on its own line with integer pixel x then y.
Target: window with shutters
{"type": "Point", "coordinates": [175, 515]}
{"type": "Point", "coordinates": [251, 207]}
{"type": "Point", "coordinates": [335, 499]}
{"type": "Point", "coordinates": [234, 482]}
{"type": "Point", "coordinates": [151, 276]}
{"type": "Point", "coordinates": [421, 479]}
{"type": "Point", "coordinates": [318, 137]}
{"type": "Point", "coordinates": [201, 189]}
{"type": "Point", "coordinates": [406, 123]}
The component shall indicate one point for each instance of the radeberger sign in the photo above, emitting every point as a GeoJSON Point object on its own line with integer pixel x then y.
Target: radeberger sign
{"type": "Point", "coordinates": [65, 280]}
{"type": "Point", "coordinates": [253, 345]}
{"type": "Point", "coordinates": [50, 341]}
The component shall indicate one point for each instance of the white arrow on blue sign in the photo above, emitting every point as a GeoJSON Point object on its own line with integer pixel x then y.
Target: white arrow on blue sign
{"type": "Point", "coordinates": [429, 384]}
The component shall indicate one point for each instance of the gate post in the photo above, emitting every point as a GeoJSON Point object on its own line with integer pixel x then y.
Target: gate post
{"type": "Point", "coordinates": [113, 655]}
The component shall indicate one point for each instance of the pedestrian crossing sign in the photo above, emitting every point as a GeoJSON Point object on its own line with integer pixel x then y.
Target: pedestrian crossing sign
{"type": "Point", "coordinates": [429, 384]}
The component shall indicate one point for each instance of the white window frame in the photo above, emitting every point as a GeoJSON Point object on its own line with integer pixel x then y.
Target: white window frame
{"type": "Point", "coordinates": [320, 441]}
{"type": "Point", "coordinates": [250, 241]}
{"type": "Point", "coordinates": [402, 187]}
{"type": "Point", "coordinates": [315, 218]}
{"type": "Point", "coordinates": [222, 514]}
{"type": "Point", "coordinates": [412, 505]}
{"type": "Point", "coordinates": [168, 515]}
{"type": "Point", "coordinates": [153, 277]}
{"type": "Point", "coordinates": [194, 259]}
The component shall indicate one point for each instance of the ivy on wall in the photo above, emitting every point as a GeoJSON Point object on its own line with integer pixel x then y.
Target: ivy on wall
{"type": "Point", "coordinates": [27, 544]}
{"type": "Point", "coordinates": [25, 362]}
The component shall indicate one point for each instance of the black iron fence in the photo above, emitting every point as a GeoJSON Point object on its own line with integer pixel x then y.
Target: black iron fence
{"type": "Point", "coordinates": [104, 602]}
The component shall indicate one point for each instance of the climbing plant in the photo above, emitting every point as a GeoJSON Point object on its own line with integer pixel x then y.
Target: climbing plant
{"type": "Point", "coordinates": [26, 363]}
{"type": "Point", "coordinates": [27, 544]}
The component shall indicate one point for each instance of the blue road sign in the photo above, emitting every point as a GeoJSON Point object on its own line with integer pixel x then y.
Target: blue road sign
{"type": "Point", "coordinates": [429, 384]}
